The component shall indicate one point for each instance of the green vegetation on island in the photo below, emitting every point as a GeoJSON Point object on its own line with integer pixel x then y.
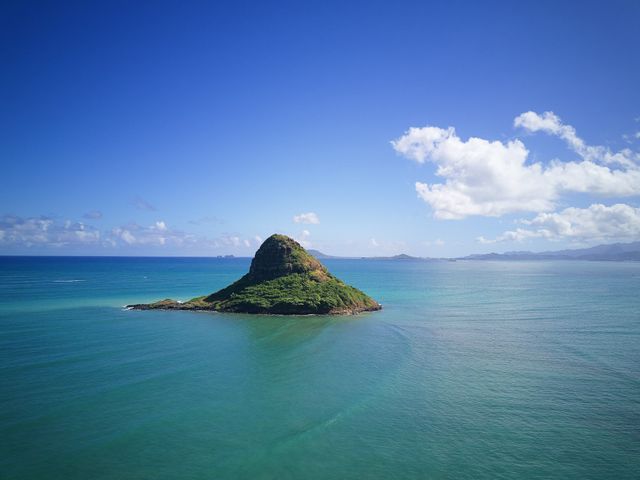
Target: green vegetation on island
{"type": "Point", "coordinates": [283, 279]}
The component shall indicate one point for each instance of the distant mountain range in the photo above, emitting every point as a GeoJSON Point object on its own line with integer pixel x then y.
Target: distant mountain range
{"type": "Point", "coordinates": [612, 252]}
{"type": "Point", "coordinates": [403, 256]}
{"type": "Point", "coordinates": [321, 256]}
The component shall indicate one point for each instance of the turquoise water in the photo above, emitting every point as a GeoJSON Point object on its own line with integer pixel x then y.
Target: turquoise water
{"type": "Point", "coordinates": [473, 370]}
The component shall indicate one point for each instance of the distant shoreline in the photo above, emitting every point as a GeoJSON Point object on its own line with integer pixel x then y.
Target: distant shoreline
{"type": "Point", "coordinates": [616, 252]}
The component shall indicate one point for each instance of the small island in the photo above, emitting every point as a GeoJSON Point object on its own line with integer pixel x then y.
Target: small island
{"type": "Point", "coordinates": [283, 279]}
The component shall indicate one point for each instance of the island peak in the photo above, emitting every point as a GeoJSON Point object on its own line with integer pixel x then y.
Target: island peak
{"type": "Point", "coordinates": [279, 256]}
{"type": "Point", "coordinates": [283, 279]}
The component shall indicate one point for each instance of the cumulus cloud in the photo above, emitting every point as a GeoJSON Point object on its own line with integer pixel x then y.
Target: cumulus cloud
{"type": "Point", "coordinates": [141, 204]}
{"type": "Point", "coordinates": [597, 223]}
{"type": "Point", "coordinates": [236, 241]}
{"type": "Point", "coordinates": [157, 234]}
{"type": "Point", "coordinates": [45, 232]}
{"type": "Point", "coordinates": [494, 178]}
{"type": "Point", "coordinates": [35, 231]}
{"type": "Point", "coordinates": [307, 218]}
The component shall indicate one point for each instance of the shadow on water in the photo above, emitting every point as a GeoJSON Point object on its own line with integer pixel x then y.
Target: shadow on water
{"type": "Point", "coordinates": [285, 331]}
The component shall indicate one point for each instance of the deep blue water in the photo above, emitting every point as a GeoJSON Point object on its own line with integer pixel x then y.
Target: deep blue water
{"type": "Point", "coordinates": [473, 370]}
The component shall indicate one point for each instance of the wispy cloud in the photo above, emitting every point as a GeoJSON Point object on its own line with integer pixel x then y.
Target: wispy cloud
{"type": "Point", "coordinates": [156, 234]}
{"type": "Point", "coordinates": [49, 233]}
{"type": "Point", "coordinates": [387, 247]}
{"type": "Point", "coordinates": [141, 204]}
{"type": "Point", "coordinates": [207, 220]}
{"type": "Point", "coordinates": [93, 215]}
{"type": "Point", "coordinates": [550, 123]}
{"type": "Point", "coordinates": [44, 230]}
{"type": "Point", "coordinates": [310, 218]}
{"type": "Point", "coordinates": [435, 243]}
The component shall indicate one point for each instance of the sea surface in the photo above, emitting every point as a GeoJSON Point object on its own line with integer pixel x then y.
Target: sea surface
{"type": "Point", "coordinates": [473, 370]}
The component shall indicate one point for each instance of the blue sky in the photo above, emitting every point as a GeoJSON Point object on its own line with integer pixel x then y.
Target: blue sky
{"type": "Point", "coordinates": [200, 128]}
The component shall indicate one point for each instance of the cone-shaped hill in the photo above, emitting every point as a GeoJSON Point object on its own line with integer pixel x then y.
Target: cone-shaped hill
{"type": "Point", "coordinates": [283, 279]}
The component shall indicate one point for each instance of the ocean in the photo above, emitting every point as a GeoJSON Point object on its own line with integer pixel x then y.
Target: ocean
{"type": "Point", "coordinates": [472, 370]}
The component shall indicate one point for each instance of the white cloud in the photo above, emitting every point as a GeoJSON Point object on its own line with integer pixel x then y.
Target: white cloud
{"type": "Point", "coordinates": [597, 223]}
{"type": "Point", "coordinates": [35, 231]}
{"type": "Point", "coordinates": [483, 178]}
{"type": "Point", "coordinates": [307, 218]}
{"type": "Point", "coordinates": [492, 178]}
{"type": "Point", "coordinates": [517, 235]}
{"type": "Point", "coordinates": [303, 239]}
{"type": "Point", "coordinates": [551, 124]}
{"type": "Point", "coordinates": [160, 235]}
{"type": "Point", "coordinates": [386, 247]}
{"type": "Point", "coordinates": [157, 234]}
{"type": "Point", "coordinates": [435, 243]}
{"type": "Point", "coordinates": [44, 232]}
{"type": "Point", "coordinates": [419, 143]}
{"type": "Point", "coordinates": [232, 240]}
{"type": "Point", "coordinates": [126, 236]}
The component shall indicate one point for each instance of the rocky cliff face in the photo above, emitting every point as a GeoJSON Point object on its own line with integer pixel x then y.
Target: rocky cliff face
{"type": "Point", "coordinates": [283, 279]}
{"type": "Point", "coordinates": [280, 255]}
